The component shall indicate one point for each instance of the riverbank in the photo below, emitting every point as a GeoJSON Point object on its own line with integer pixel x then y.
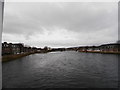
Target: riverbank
{"type": "Point", "coordinates": [104, 52]}
{"type": "Point", "coordinates": [16, 56]}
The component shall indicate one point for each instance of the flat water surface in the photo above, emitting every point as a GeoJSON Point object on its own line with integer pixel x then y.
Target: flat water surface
{"type": "Point", "coordinates": [67, 69]}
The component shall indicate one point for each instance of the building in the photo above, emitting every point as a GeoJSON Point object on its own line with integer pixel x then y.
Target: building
{"type": "Point", "coordinates": [6, 49]}
{"type": "Point", "coordinates": [9, 48]}
{"type": "Point", "coordinates": [114, 47]}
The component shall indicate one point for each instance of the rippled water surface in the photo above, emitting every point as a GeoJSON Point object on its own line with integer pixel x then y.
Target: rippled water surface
{"type": "Point", "coordinates": [67, 69]}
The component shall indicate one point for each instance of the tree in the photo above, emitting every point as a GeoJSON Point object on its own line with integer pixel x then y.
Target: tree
{"type": "Point", "coordinates": [45, 48]}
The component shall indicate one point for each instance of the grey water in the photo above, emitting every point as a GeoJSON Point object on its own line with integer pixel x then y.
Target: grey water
{"type": "Point", "coordinates": [67, 69]}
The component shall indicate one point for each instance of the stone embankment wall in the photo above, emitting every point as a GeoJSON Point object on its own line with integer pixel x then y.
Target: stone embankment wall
{"type": "Point", "coordinates": [16, 56]}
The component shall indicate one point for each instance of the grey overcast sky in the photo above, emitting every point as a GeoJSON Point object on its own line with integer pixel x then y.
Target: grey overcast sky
{"type": "Point", "coordinates": [60, 24]}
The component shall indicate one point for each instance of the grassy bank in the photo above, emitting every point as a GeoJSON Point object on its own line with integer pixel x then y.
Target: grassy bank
{"type": "Point", "coordinates": [105, 52]}
{"type": "Point", "coordinates": [13, 57]}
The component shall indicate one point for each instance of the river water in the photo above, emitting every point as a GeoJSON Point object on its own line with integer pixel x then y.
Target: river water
{"type": "Point", "coordinates": [67, 69]}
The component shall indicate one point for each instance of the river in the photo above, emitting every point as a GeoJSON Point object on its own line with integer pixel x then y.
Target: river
{"type": "Point", "coordinates": [67, 69]}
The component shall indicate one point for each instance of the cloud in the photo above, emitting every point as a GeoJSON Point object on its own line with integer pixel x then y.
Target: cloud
{"type": "Point", "coordinates": [60, 24]}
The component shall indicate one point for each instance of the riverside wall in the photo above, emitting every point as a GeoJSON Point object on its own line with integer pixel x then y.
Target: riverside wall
{"type": "Point", "coordinates": [7, 58]}
{"type": "Point", "coordinates": [15, 56]}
